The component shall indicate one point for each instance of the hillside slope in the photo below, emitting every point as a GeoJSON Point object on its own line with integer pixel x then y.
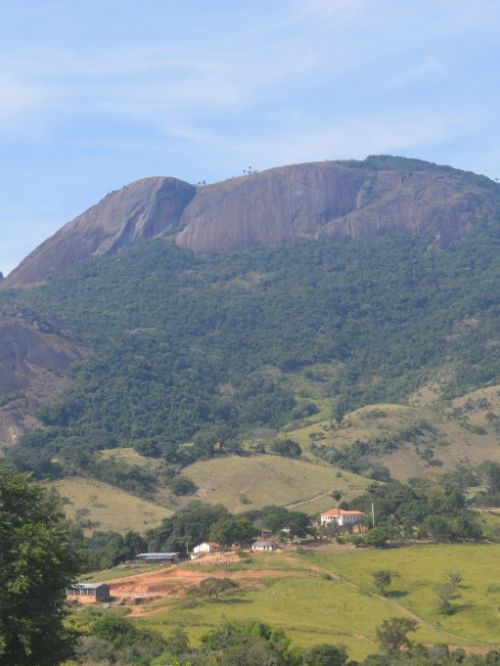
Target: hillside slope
{"type": "Point", "coordinates": [35, 353]}
{"type": "Point", "coordinates": [192, 353]}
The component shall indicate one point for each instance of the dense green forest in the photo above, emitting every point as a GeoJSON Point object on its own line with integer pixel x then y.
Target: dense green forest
{"type": "Point", "coordinates": [202, 348]}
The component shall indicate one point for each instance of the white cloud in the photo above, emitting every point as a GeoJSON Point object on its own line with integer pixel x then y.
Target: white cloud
{"type": "Point", "coordinates": [18, 97]}
{"type": "Point", "coordinates": [354, 138]}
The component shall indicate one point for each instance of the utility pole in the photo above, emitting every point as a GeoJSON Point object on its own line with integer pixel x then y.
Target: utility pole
{"type": "Point", "coordinates": [373, 515]}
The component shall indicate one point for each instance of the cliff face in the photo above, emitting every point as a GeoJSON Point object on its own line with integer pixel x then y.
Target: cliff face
{"type": "Point", "coordinates": [316, 200]}
{"type": "Point", "coordinates": [269, 207]}
{"type": "Point", "coordinates": [33, 356]}
{"type": "Point", "coordinates": [329, 199]}
{"type": "Point", "coordinates": [138, 211]}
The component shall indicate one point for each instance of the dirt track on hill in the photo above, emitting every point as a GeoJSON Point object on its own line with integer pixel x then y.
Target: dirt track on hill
{"type": "Point", "coordinates": [171, 583]}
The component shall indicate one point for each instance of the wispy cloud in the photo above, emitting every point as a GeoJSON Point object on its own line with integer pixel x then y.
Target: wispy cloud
{"type": "Point", "coordinates": [105, 91]}
{"type": "Point", "coordinates": [18, 97]}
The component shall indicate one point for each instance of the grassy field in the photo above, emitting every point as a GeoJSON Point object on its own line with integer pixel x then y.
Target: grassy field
{"type": "Point", "coordinates": [347, 608]}
{"type": "Point", "coordinates": [420, 569]}
{"type": "Point", "coordinates": [109, 508]}
{"type": "Point", "coordinates": [241, 483]}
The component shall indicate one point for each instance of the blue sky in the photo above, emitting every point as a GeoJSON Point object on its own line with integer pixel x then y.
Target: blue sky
{"type": "Point", "coordinates": [98, 93]}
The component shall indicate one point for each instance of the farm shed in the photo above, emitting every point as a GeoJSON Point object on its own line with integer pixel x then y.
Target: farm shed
{"type": "Point", "coordinates": [88, 593]}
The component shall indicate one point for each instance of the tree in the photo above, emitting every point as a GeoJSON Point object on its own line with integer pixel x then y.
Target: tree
{"type": "Point", "coordinates": [446, 594]}
{"type": "Point", "coordinates": [392, 634]}
{"type": "Point", "coordinates": [491, 474]}
{"type": "Point", "coordinates": [324, 655]}
{"type": "Point", "coordinates": [382, 579]}
{"type": "Point", "coordinates": [455, 577]}
{"type": "Point", "coordinates": [299, 524]}
{"type": "Point", "coordinates": [213, 587]}
{"type": "Point", "coordinates": [287, 447]}
{"type": "Point", "coordinates": [376, 537]}
{"type": "Point", "coordinates": [36, 565]}
{"type": "Point", "coordinates": [337, 495]}
{"type": "Point", "coordinates": [229, 529]}
{"type": "Point", "coordinates": [181, 485]}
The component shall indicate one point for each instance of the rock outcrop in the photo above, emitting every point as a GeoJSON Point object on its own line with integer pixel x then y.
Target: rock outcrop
{"type": "Point", "coordinates": [34, 355]}
{"type": "Point", "coordinates": [145, 208]}
{"type": "Point", "coordinates": [317, 200]}
{"type": "Point", "coordinates": [335, 199]}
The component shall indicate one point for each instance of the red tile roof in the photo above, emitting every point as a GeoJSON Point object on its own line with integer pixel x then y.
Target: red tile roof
{"type": "Point", "coordinates": [336, 513]}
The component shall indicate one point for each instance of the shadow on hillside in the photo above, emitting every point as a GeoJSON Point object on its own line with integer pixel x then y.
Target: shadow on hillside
{"type": "Point", "coordinates": [396, 594]}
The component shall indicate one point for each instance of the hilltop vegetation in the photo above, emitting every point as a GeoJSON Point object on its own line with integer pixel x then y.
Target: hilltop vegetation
{"type": "Point", "coordinates": [205, 348]}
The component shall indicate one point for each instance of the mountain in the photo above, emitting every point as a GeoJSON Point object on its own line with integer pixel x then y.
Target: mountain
{"type": "Point", "coordinates": [379, 195]}
{"type": "Point", "coordinates": [362, 321]}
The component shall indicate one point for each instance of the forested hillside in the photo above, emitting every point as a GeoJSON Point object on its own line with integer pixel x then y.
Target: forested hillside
{"type": "Point", "coordinates": [204, 348]}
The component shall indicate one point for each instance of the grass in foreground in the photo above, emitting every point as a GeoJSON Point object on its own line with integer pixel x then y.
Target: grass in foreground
{"type": "Point", "coordinates": [420, 569]}
{"type": "Point", "coordinates": [313, 609]}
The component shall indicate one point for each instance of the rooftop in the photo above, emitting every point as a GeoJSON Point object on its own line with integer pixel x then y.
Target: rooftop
{"type": "Point", "coordinates": [342, 512]}
{"type": "Point", "coordinates": [85, 586]}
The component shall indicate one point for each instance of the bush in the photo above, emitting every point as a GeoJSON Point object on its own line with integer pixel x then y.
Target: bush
{"type": "Point", "coordinates": [286, 447]}
{"type": "Point", "coordinates": [181, 485]}
{"type": "Point", "coordinates": [376, 537]}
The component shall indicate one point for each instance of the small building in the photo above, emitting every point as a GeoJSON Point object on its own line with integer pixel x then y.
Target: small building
{"type": "Point", "coordinates": [157, 558]}
{"type": "Point", "coordinates": [207, 547]}
{"type": "Point", "coordinates": [342, 517]}
{"type": "Point", "coordinates": [264, 545]}
{"type": "Point", "coordinates": [88, 593]}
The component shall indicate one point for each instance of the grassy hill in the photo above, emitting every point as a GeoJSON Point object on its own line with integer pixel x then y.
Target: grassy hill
{"type": "Point", "coordinates": [251, 483]}
{"type": "Point", "coordinates": [420, 438]}
{"type": "Point", "coordinates": [99, 506]}
{"type": "Point", "coordinates": [322, 597]}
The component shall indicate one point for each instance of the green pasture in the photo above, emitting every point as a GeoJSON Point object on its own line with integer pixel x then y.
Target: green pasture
{"type": "Point", "coordinates": [419, 570]}
{"type": "Point", "coordinates": [347, 608]}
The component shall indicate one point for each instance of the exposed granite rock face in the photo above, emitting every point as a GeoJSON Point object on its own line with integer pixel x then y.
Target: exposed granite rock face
{"type": "Point", "coordinates": [145, 208]}
{"type": "Point", "coordinates": [318, 200]}
{"type": "Point", "coordinates": [33, 356]}
{"type": "Point", "coordinates": [332, 199]}
{"type": "Point", "coordinates": [440, 207]}
{"type": "Point", "coordinates": [270, 207]}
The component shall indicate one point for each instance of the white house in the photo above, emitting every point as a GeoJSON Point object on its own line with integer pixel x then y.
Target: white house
{"type": "Point", "coordinates": [206, 547]}
{"type": "Point", "coordinates": [342, 517]}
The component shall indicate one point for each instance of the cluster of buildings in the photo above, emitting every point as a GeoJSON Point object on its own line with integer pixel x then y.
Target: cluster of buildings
{"type": "Point", "coordinates": [100, 592]}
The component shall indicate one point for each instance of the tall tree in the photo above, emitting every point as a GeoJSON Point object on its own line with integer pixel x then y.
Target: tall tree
{"type": "Point", "coordinates": [36, 564]}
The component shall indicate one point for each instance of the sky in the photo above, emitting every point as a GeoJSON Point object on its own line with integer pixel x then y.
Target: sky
{"type": "Point", "coordinates": [96, 94]}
